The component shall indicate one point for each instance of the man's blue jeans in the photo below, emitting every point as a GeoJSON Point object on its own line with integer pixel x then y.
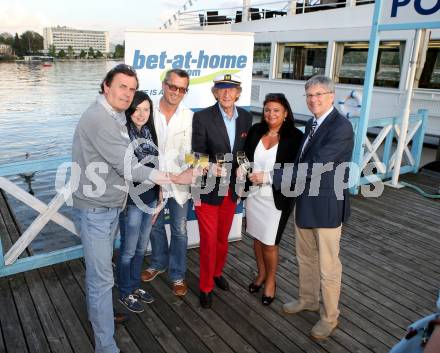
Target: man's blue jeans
{"type": "Point", "coordinates": [98, 227]}
{"type": "Point", "coordinates": [174, 256]}
{"type": "Point", "coordinates": [135, 226]}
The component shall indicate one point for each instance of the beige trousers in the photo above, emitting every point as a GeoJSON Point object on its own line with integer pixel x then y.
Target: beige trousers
{"type": "Point", "coordinates": [319, 267]}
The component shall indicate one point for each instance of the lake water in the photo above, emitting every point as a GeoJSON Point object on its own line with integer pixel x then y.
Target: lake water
{"type": "Point", "coordinates": [39, 109]}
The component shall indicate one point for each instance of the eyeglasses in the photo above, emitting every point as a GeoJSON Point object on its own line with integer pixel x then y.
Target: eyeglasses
{"type": "Point", "coordinates": [317, 95]}
{"type": "Point", "coordinates": [173, 88]}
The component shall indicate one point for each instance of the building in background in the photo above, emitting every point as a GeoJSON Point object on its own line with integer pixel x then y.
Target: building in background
{"type": "Point", "coordinates": [5, 50]}
{"type": "Point", "coordinates": [78, 39]}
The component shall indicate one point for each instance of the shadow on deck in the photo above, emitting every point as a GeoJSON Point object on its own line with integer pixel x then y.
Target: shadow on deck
{"type": "Point", "coordinates": [389, 251]}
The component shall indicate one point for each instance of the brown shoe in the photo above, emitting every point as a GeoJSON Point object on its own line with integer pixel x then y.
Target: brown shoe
{"type": "Point", "coordinates": [179, 288]}
{"type": "Point", "coordinates": [149, 274]}
{"type": "Point", "coordinates": [120, 318]}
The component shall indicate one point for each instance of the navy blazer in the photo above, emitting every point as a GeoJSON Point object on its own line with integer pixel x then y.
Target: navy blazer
{"type": "Point", "coordinates": [331, 143]}
{"type": "Point", "coordinates": [209, 136]}
{"type": "Point", "coordinates": [288, 147]}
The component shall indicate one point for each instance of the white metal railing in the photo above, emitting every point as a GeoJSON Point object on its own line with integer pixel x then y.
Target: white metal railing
{"type": "Point", "coordinates": [259, 11]}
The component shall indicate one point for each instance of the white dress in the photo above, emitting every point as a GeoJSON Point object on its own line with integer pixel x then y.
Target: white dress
{"type": "Point", "coordinates": [262, 217]}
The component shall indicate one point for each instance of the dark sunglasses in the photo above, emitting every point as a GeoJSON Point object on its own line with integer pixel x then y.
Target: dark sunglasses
{"type": "Point", "coordinates": [175, 88]}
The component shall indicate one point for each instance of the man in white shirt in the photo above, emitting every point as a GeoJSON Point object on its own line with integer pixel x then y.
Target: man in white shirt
{"type": "Point", "coordinates": [173, 122]}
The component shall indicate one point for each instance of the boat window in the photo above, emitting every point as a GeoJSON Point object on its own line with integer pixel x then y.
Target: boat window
{"type": "Point", "coordinates": [351, 62]}
{"type": "Point", "coordinates": [300, 61]}
{"type": "Point", "coordinates": [430, 76]}
{"type": "Point", "coordinates": [261, 65]}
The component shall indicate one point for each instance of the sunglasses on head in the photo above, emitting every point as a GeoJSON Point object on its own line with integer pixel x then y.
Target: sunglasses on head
{"type": "Point", "coordinates": [174, 88]}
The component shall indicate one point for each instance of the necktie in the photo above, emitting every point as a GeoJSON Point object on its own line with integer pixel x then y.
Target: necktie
{"type": "Point", "coordinates": [311, 133]}
{"type": "Point", "coordinates": [312, 130]}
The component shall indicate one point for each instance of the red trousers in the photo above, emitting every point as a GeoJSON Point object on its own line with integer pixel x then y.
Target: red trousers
{"type": "Point", "coordinates": [214, 225]}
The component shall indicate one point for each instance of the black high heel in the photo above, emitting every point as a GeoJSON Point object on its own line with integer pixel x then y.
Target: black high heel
{"type": "Point", "coordinates": [255, 288]}
{"type": "Point", "coordinates": [266, 300]}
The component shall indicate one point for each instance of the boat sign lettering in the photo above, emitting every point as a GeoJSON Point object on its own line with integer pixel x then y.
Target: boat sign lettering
{"type": "Point", "coordinates": [425, 10]}
{"type": "Point", "coordinates": [188, 60]}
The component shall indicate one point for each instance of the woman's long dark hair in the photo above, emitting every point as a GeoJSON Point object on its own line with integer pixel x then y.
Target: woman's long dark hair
{"type": "Point", "coordinates": [289, 122]}
{"type": "Point", "coordinates": [140, 97]}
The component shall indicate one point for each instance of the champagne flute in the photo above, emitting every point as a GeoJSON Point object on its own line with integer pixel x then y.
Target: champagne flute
{"type": "Point", "coordinates": [202, 161]}
{"type": "Point", "coordinates": [189, 159]}
{"type": "Point", "coordinates": [243, 163]}
{"type": "Point", "coordinates": [220, 159]}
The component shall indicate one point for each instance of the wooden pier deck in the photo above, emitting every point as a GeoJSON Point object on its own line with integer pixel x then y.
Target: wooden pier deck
{"type": "Point", "coordinates": [390, 253]}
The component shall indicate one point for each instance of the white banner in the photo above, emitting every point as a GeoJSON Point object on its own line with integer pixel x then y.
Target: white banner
{"type": "Point", "coordinates": [410, 11]}
{"type": "Point", "coordinates": [204, 54]}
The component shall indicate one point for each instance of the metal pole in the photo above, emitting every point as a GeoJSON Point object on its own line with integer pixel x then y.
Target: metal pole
{"type": "Point", "coordinates": [361, 131]}
{"type": "Point", "coordinates": [246, 6]}
{"type": "Point", "coordinates": [405, 115]}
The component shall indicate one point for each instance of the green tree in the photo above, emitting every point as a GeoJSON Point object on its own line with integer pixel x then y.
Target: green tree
{"type": "Point", "coordinates": [119, 51]}
{"type": "Point", "coordinates": [91, 53]}
{"type": "Point", "coordinates": [6, 38]}
{"type": "Point", "coordinates": [62, 54]}
{"type": "Point", "coordinates": [70, 52]}
{"type": "Point", "coordinates": [16, 45]}
{"type": "Point", "coordinates": [31, 42]}
{"type": "Point", "coordinates": [98, 54]}
{"type": "Point", "coordinates": [52, 50]}
{"type": "Point", "coordinates": [83, 54]}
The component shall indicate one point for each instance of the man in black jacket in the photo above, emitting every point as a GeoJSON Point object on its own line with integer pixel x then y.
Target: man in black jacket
{"type": "Point", "coordinates": [221, 128]}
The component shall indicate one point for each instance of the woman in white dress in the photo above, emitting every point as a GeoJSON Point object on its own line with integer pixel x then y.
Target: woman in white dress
{"type": "Point", "coordinates": [274, 140]}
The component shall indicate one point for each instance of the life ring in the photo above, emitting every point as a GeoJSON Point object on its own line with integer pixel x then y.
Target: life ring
{"type": "Point", "coordinates": [351, 104]}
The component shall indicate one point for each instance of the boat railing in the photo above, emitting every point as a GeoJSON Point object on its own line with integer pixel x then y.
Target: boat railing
{"type": "Point", "coordinates": [378, 161]}
{"type": "Point", "coordinates": [12, 262]}
{"type": "Point", "coordinates": [256, 12]}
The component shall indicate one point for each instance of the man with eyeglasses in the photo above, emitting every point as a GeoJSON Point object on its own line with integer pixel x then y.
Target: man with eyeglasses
{"type": "Point", "coordinates": [319, 209]}
{"type": "Point", "coordinates": [319, 214]}
{"type": "Point", "coordinates": [100, 166]}
{"type": "Point", "coordinates": [173, 122]}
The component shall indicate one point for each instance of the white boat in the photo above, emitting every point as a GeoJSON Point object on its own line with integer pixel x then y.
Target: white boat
{"type": "Point", "coordinates": [294, 41]}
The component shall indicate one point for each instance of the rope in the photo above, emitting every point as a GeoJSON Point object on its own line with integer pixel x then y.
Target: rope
{"type": "Point", "coordinates": [420, 191]}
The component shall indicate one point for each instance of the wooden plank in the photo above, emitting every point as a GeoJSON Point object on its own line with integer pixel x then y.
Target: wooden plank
{"type": "Point", "coordinates": [178, 327]}
{"type": "Point", "coordinates": [53, 328]}
{"type": "Point", "coordinates": [33, 331]}
{"type": "Point", "coordinates": [123, 338]}
{"type": "Point", "coordinates": [267, 329]}
{"type": "Point", "coordinates": [297, 330]}
{"type": "Point", "coordinates": [13, 334]}
{"type": "Point", "coordinates": [351, 299]}
{"type": "Point", "coordinates": [78, 338]}
{"type": "Point", "coordinates": [334, 344]}
{"type": "Point", "coordinates": [139, 330]}
{"type": "Point", "coordinates": [236, 321]}
{"type": "Point", "coordinates": [382, 278]}
{"type": "Point", "coordinates": [75, 295]}
{"type": "Point", "coordinates": [191, 315]}
{"type": "Point", "coordinates": [221, 327]}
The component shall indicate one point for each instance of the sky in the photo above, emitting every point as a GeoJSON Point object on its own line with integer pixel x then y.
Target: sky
{"type": "Point", "coordinates": [110, 15]}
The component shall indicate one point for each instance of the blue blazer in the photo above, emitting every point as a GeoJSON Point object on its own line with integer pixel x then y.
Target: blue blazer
{"type": "Point", "coordinates": [323, 207]}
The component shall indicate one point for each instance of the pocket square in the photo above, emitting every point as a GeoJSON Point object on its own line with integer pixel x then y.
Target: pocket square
{"type": "Point", "coordinates": [243, 135]}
